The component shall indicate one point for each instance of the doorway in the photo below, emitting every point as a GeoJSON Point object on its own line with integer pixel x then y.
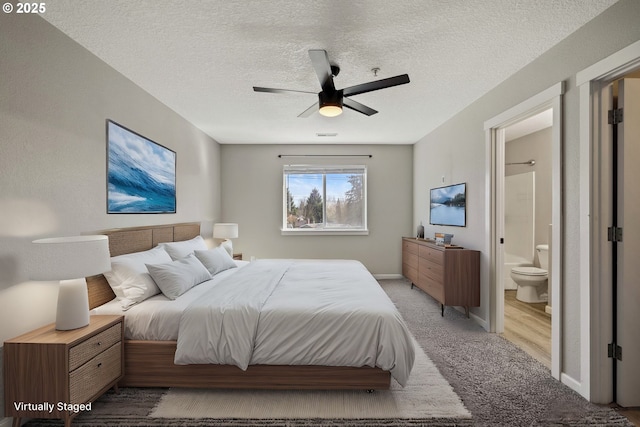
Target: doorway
{"type": "Point", "coordinates": [594, 84]}
{"type": "Point", "coordinates": [611, 282]}
{"type": "Point", "coordinates": [527, 235]}
{"type": "Point", "coordinates": [495, 128]}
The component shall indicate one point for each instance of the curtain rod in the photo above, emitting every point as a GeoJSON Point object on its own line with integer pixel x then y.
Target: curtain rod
{"type": "Point", "coordinates": [325, 155]}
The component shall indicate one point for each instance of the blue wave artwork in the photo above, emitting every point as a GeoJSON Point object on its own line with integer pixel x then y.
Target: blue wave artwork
{"type": "Point", "coordinates": [141, 174]}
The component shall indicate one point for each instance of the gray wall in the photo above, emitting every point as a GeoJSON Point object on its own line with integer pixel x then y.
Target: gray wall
{"type": "Point", "coordinates": [457, 150]}
{"type": "Point", "coordinates": [535, 146]}
{"type": "Point", "coordinates": [252, 197]}
{"type": "Point", "coordinates": [54, 99]}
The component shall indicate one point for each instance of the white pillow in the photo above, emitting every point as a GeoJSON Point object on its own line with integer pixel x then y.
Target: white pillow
{"type": "Point", "coordinates": [216, 260]}
{"type": "Point", "coordinates": [179, 250]}
{"type": "Point", "coordinates": [129, 277]}
{"type": "Point", "coordinates": [177, 277]}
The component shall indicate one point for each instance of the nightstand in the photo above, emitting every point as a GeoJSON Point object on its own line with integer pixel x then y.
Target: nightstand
{"type": "Point", "coordinates": [56, 374]}
{"type": "Point", "coordinates": [238, 256]}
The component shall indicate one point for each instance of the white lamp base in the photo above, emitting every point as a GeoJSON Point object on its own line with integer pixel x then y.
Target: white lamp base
{"type": "Point", "coordinates": [73, 305]}
{"type": "Point", "coordinates": [228, 246]}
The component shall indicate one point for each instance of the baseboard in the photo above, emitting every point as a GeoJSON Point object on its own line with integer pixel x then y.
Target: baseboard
{"type": "Point", "coordinates": [480, 321]}
{"type": "Point", "coordinates": [572, 384]}
{"type": "Point", "coordinates": [388, 276]}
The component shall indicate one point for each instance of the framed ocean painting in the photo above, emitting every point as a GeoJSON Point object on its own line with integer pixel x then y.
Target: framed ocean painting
{"type": "Point", "coordinates": [141, 174]}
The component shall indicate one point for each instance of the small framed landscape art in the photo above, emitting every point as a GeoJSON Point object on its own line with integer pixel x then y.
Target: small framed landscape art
{"type": "Point", "coordinates": [448, 205]}
{"type": "Point", "coordinates": [141, 174]}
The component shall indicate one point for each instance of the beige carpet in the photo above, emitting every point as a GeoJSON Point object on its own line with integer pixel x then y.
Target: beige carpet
{"type": "Point", "coordinates": [427, 395]}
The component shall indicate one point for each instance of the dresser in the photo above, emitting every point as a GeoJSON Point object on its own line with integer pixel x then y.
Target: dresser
{"type": "Point", "coordinates": [450, 274]}
{"type": "Point", "coordinates": [57, 374]}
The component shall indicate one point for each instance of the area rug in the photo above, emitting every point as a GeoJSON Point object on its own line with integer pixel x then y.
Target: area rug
{"type": "Point", "coordinates": [426, 395]}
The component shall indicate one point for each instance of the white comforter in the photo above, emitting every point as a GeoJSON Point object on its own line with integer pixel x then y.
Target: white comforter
{"type": "Point", "coordinates": [285, 312]}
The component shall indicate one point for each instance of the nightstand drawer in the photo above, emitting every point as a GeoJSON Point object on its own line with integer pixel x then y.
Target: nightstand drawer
{"type": "Point", "coordinates": [96, 374]}
{"type": "Point", "coordinates": [84, 351]}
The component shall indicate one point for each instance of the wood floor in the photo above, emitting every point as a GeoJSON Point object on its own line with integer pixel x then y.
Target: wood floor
{"type": "Point", "coordinates": [529, 327]}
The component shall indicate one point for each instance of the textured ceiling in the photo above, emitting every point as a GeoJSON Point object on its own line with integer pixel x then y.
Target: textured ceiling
{"type": "Point", "coordinates": [202, 57]}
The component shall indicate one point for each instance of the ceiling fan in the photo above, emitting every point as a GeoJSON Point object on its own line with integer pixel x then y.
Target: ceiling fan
{"type": "Point", "coordinates": [330, 99]}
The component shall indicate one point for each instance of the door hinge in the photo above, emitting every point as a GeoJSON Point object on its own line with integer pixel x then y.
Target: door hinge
{"type": "Point", "coordinates": [614, 234]}
{"type": "Point", "coordinates": [615, 116]}
{"type": "Point", "coordinates": [614, 351]}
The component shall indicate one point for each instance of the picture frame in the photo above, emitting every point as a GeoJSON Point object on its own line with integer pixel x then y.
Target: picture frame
{"type": "Point", "coordinates": [448, 205]}
{"type": "Point", "coordinates": [141, 174]}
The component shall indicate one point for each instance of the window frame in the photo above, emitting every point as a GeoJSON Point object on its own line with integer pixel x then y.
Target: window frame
{"type": "Point", "coordinates": [323, 170]}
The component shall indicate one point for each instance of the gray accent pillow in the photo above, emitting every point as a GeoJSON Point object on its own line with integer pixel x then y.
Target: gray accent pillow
{"type": "Point", "coordinates": [179, 250]}
{"type": "Point", "coordinates": [177, 277]}
{"type": "Point", "coordinates": [216, 260]}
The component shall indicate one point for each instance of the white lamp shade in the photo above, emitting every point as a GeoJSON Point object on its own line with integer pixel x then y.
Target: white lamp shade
{"type": "Point", "coordinates": [62, 258]}
{"type": "Point", "coordinates": [70, 260]}
{"type": "Point", "coordinates": [225, 230]}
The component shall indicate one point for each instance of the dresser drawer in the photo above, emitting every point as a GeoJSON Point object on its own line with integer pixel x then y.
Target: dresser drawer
{"type": "Point", "coordinates": [431, 254]}
{"type": "Point", "coordinates": [84, 351]}
{"type": "Point", "coordinates": [432, 287]}
{"type": "Point", "coordinates": [96, 374]}
{"type": "Point", "coordinates": [410, 272]}
{"type": "Point", "coordinates": [410, 259]}
{"type": "Point", "coordinates": [431, 269]}
{"type": "Point", "coordinates": [409, 247]}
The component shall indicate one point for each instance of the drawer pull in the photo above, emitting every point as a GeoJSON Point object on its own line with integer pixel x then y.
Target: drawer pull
{"type": "Point", "coordinates": [99, 364]}
{"type": "Point", "coordinates": [99, 343]}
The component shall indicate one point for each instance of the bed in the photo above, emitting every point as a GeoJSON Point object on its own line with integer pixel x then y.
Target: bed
{"type": "Point", "coordinates": [152, 352]}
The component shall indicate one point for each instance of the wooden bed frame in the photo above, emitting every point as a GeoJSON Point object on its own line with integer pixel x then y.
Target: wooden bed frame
{"type": "Point", "coordinates": [150, 363]}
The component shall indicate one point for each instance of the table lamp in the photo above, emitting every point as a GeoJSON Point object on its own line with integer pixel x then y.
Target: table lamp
{"type": "Point", "coordinates": [70, 260]}
{"type": "Point", "coordinates": [226, 231]}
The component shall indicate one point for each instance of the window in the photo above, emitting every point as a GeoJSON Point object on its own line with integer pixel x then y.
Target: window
{"type": "Point", "coordinates": [325, 199]}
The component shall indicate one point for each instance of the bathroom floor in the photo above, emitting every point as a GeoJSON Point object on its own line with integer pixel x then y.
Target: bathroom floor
{"type": "Point", "coordinates": [528, 326]}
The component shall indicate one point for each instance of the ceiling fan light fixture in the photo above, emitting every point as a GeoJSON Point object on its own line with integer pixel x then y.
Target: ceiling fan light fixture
{"type": "Point", "coordinates": [330, 103]}
{"type": "Point", "coordinates": [330, 110]}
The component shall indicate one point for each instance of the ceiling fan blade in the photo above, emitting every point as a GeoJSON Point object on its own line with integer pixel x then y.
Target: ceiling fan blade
{"type": "Point", "coordinates": [361, 108]}
{"type": "Point", "coordinates": [320, 62]}
{"type": "Point", "coordinates": [309, 111]}
{"type": "Point", "coordinates": [376, 85]}
{"type": "Point", "coordinates": [273, 90]}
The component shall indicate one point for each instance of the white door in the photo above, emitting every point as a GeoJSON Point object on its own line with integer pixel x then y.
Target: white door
{"type": "Point", "coordinates": [628, 301]}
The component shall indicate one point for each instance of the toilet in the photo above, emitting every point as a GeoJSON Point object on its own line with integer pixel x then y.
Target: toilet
{"type": "Point", "coordinates": [532, 281]}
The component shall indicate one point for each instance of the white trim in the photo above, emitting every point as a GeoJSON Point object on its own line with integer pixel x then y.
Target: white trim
{"type": "Point", "coordinates": [549, 98]}
{"type": "Point", "coordinates": [525, 108]}
{"type": "Point", "coordinates": [571, 382]}
{"type": "Point", "coordinates": [388, 276]}
{"type": "Point", "coordinates": [490, 243]}
{"type": "Point", "coordinates": [482, 322]}
{"type": "Point", "coordinates": [557, 221]}
{"type": "Point", "coordinates": [585, 243]}
{"type": "Point", "coordinates": [498, 223]}
{"type": "Point", "coordinates": [615, 65]}
{"type": "Point", "coordinates": [322, 232]}
{"type": "Point", "coordinates": [595, 307]}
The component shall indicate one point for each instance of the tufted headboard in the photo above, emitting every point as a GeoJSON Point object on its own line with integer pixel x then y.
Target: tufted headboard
{"type": "Point", "coordinates": [135, 239]}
